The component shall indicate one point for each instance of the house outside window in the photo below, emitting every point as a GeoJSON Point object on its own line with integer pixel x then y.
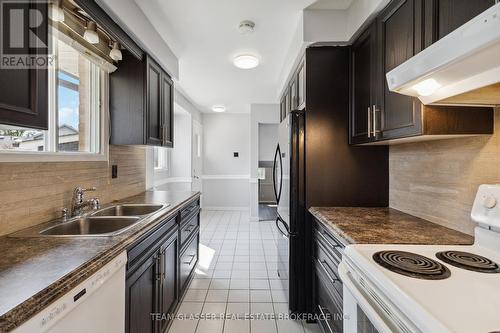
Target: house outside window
{"type": "Point", "coordinates": [77, 90]}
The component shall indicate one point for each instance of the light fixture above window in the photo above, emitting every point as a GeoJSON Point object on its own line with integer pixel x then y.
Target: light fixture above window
{"type": "Point", "coordinates": [56, 11]}
{"type": "Point", "coordinates": [90, 33]}
{"type": "Point", "coordinates": [218, 108]}
{"type": "Point", "coordinates": [115, 53]}
{"type": "Point", "coordinates": [246, 61]}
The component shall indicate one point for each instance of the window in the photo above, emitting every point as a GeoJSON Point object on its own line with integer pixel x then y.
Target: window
{"type": "Point", "coordinates": [75, 93]}
{"type": "Point", "coordinates": [161, 158]}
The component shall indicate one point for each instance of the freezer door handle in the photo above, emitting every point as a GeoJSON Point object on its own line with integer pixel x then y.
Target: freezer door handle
{"type": "Point", "coordinates": [286, 233]}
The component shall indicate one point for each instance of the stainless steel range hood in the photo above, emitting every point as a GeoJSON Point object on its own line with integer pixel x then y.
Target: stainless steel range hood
{"type": "Point", "coordinates": [463, 68]}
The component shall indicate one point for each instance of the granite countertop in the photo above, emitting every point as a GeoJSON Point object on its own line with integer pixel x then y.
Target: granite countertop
{"type": "Point", "coordinates": [35, 272]}
{"type": "Point", "coordinates": [364, 225]}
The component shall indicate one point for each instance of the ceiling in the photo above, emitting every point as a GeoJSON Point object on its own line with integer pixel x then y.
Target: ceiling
{"type": "Point", "coordinates": [204, 36]}
{"type": "Point", "coordinates": [331, 4]}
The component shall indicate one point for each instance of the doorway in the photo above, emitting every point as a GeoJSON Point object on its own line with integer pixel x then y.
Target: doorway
{"type": "Point", "coordinates": [197, 163]}
{"type": "Point", "coordinates": [268, 139]}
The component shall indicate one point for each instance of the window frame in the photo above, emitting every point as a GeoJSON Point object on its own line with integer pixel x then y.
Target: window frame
{"type": "Point", "coordinates": [50, 136]}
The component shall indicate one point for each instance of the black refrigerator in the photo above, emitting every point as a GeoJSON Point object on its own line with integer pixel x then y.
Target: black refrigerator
{"type": "Point", "coordinates": [289, 181]}
{"type": "Point", "coordinates": [315, 166]}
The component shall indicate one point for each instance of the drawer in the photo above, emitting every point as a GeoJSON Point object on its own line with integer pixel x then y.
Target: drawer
{"type": "Point", "coordinates": [329, 269]}
{"type": "Point", "coordinates": [187, 228]}
{"type": "Point", "coordinates": [188, 260]}
{"type": "Point", "coordinates": [328, 306]}
{"type": "Point", "coordinates": [330, 242]}
{"type": "Point", "coordinates": [190, 209]}
{"type": "Point", "coordinates": [148, 243]}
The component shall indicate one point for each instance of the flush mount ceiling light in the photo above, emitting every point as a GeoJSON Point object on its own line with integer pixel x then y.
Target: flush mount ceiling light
{"type": "Point", "coordinates": [246, 27]}
{"type": "Point", "coordinates": [116, 53]}
{"type": "Point", "coordinates": [218, 108]}
{"type": "Point", "coordinates": [90, 33]}
{"type": "Point", "coordinates": [246, 61]}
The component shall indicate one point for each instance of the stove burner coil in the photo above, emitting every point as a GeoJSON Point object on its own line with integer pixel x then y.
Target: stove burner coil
{"type": "Point", "coordinates": [469, 261]}
{"type": "Point", "coordinates": [412, 265]}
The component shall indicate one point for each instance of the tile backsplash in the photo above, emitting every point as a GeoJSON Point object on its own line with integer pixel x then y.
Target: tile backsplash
{"type": "Point", "coordinates": [32, 193]}
{"type": "Point", "coordinates": [438, 180]}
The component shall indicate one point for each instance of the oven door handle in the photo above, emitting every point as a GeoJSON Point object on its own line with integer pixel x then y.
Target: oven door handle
{"type": "Point", "coordinates": [376, 319]}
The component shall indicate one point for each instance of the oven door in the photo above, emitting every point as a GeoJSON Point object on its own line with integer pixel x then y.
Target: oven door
{"type": "Point", "coordinates": [362, 314]}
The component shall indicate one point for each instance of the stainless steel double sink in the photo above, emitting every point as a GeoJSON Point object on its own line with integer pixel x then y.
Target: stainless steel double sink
{"type": "Point", "coordinates": [108, 221]}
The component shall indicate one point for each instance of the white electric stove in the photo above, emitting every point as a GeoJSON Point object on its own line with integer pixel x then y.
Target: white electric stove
{"type": "Point", "coordinates": [428, 288]}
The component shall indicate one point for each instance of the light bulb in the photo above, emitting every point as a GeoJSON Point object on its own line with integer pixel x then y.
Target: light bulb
{"type": "Point", "coordinates": [90, 33]}
{"type": "Point", "coordinates": [427, 87]}
{"type": "Point", "coordinates": [115, 52]}
{"type": "Point", "coordinates": [56, 12]}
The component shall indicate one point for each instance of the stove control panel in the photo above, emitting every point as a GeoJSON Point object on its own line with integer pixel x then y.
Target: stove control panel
{"type": "Point", "coordinates": [486, 209]}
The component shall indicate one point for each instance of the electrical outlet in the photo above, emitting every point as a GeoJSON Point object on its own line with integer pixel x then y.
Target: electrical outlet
{"type": "Point", "coordinates": [114, 171]}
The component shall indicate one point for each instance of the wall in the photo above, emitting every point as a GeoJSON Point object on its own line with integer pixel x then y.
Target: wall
{"type": "Point", "coordinates": [268, 139]}
{"type": "Point", "coordinates": [438, 180]}
{"type": "Point", "coordinates": [32, 193]}
{"type": "Point", "coordinates": [225, 178]}
{"type": "Point", "coordinates": [326, 27]}
{"type": "Point", "coordinates": [178, 175]}
{"type": "Point", "coordinates": [132, 19]}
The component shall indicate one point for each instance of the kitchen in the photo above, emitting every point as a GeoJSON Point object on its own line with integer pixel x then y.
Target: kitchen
{"type": "Point", "coordinates": [130, 170]}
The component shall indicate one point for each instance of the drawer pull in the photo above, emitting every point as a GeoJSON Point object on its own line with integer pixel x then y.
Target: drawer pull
{"type": "Point", "coordinates": [190, 228]}
{"type": "Point", "coordinates": [325, 320]}
{"type": "Point", "coordinates": [322, 263]}
{"type": "Point", "coordinates": [190, 261]}
{"type": "Point", "coordinates": [327, 241]}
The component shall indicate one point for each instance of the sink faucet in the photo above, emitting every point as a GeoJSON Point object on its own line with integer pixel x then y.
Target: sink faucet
{"type": "Point", "coordinates": [78, 202]}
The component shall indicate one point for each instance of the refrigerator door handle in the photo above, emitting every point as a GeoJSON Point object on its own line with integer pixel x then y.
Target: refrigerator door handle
{"type": "Point", "coordinates": [287, 233]}
{"type": "Point", "coordinates": [277, 193]}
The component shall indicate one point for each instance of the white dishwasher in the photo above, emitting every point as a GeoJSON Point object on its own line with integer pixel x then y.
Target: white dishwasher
{"type": "Point", "coordinates": [97, 305]}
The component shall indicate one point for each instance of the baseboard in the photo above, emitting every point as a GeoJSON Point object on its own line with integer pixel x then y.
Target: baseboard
{"type": "Point", "coordinates": [227, 208]}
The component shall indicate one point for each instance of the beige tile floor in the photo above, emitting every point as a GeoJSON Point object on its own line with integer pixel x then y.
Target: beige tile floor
{"type": "Point", "coordinates": [236, 288]}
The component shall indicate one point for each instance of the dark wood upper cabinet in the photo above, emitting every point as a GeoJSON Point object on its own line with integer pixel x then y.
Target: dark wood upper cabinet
{"type": "Point", "coordinates": [293, 93]}
{"type": "Point", "coordinates": [363, 78]}
{"type": "Point", "coordinates": [154, 125]}
{"type": "Point", "coordinates": [283, 108]}
{"type": "Point", "coordinates": [294, 96]}
{"type": "Point", "coordinates": [141, 103]}
{"type": "Point", "coordinates": [448, 15]}
{"type": "Point", "coordinates": [167, 100]}
{"type": "Point", "coordinates": [24, 92]}
{"type": "Point", "coordinates": [403, 29]}
{"type": "Point", "coordinates": [301, 86]}
{"type": "Point", "coordinates": [400, 37]}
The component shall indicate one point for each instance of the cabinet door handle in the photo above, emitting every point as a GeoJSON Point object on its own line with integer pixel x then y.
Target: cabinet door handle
{"type": "Point", "coordinates": [190, 261]}
{"type": "Point", "coordinates": [369, 122]}
{"type": "Point", "coordinates": [325, 317]}
{"type": "Point", "coordinates": [159, 260]}
{"type": "Point", "coordinates": [322, 263]}
{"type": "Point", "coordinates": [374, 120]}
{"type": "Point", "coordinates": [327, 241]}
